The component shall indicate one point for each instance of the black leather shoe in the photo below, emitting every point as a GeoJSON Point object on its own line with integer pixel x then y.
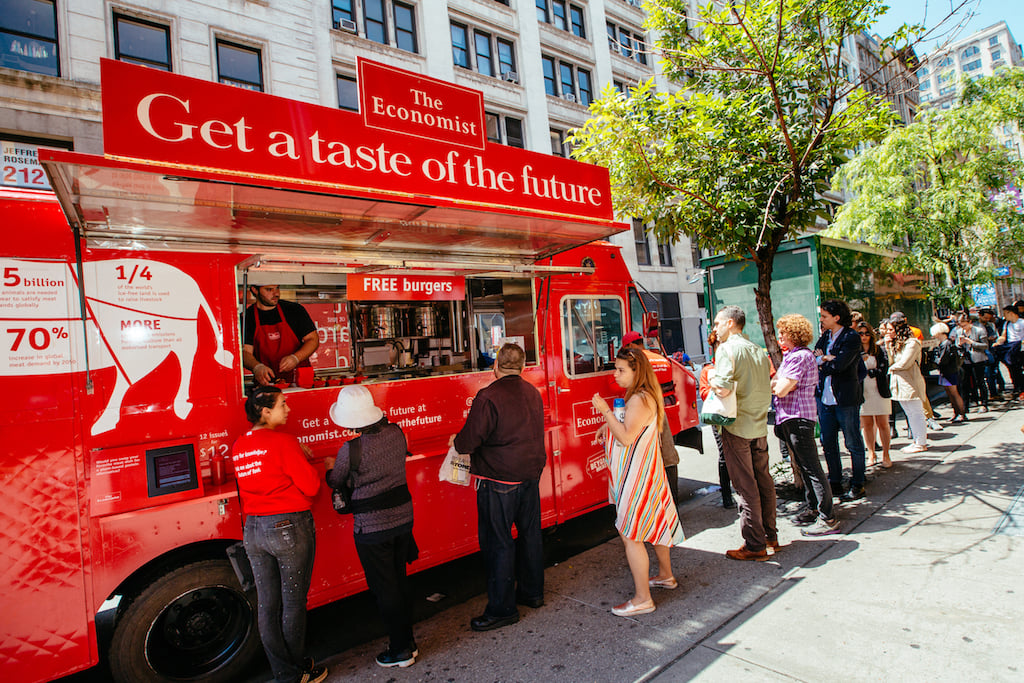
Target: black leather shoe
{"type": "Point", "coordinates": [531, 602]}
{"type": "Point", "coordinates": [728, 503]}
{"type": "Point", "coordinates": [485, 622]}
{"type": "Point", "coordinates": [855, 493]}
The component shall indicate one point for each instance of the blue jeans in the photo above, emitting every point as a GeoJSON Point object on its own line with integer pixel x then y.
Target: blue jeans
{"type": "Point", "coordinates": [498, 506]}
{"type": "Point", "coordinates": [847, 418]}
{"type": "Point", "coordinates": [281, 549]}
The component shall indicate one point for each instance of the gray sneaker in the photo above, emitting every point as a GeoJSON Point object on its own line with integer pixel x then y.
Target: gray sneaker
{"type": "Point", "coordinates": [805, 518]}
{"type": "Point", "coordinates": [823, 527]}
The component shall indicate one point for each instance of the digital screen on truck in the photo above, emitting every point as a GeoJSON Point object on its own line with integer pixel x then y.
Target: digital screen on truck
{"type": "Point", "coordinates": [171, 469]}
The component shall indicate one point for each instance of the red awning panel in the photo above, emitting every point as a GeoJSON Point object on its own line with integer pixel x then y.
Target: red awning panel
{"type": "Point", "coordinates": [133, 205]}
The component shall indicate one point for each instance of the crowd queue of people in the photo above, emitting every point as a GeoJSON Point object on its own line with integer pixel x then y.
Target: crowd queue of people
{"type": "Point", "coordinates": [845, 383]}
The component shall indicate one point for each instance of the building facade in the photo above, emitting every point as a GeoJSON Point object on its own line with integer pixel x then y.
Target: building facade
{"type": "Point", "coordinates": [539, 66]}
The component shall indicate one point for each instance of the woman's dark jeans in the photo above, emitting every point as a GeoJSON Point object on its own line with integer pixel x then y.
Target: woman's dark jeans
{"type": "Point", "coordinates": [384, 566]}
{"type": "Point", "coordinates": [281, 550]}
{"type": "Point", "coordinates": [798, 434]}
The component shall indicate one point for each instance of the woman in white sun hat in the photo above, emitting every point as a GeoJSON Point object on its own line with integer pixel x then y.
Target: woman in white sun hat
{"type": "Point", "coordinates": [381, 513]}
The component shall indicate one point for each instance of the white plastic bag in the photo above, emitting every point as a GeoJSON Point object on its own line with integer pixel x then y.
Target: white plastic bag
{"type": "Point", "coordinates": [718, 411]}
{"type": "Point", "coordinates": [455, 468]}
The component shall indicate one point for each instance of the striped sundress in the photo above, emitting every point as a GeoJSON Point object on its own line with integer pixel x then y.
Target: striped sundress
{"type": "Point", "coordinates": [643, 503]}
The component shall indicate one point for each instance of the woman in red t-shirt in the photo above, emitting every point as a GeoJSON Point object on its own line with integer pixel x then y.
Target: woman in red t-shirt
{"type": "Point", "coordinates": [277, 484]}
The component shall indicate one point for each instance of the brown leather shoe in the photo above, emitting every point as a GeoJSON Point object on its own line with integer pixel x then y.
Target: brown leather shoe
{"type": "Point", "coordinates": [744, 554]}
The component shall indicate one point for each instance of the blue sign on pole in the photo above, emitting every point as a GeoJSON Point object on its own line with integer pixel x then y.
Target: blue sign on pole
{"type": "Point", "coordinates": [1003, 271]}
{"type": "Point", "coordinates": [984, 295]}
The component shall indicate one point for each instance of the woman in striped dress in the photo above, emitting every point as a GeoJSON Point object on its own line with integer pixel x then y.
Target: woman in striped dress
{"type": "Point", "coordinates": [644, 509]}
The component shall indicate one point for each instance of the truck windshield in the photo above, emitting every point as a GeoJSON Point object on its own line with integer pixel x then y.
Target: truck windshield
{"type": "Point", "coordinates": [592, 331]}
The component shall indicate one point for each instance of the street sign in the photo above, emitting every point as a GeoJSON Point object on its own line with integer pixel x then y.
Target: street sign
{"type": "Point", "coordinates": [984, 295]}
{"type": "Point", "coordinates": [1003, 271]}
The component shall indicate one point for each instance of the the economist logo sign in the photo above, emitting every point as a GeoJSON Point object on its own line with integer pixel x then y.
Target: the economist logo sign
{"type": "Point", "coordinates": [402, 287]}
{"type": "Point", "coordinates": [421, 138]}
{"type": "Point", "coordinates": [401, 102]}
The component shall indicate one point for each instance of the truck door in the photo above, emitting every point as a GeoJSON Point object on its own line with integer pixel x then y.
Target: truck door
{"type": "Point", "coordinates": [590, 334]}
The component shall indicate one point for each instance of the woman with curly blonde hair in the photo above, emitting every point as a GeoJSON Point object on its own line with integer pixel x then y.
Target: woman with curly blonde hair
{"type": "Point", "coordinates": [795, 416]}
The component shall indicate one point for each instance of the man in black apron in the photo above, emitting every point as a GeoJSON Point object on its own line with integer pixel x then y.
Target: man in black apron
{"type": "Point", "coordinates": [279, 339]}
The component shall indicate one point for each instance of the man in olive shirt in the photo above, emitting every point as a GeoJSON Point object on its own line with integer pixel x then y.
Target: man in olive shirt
{"type": "Point", "coordinates": [741, 367]}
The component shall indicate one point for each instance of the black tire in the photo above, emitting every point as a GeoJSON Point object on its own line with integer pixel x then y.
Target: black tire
{"type": "Point", "coordinates": [193, 623]}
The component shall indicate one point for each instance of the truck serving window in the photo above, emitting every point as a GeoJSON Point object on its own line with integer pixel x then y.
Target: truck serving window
{"type": "Point", "coordinates": [592, 331]}
{"type": "Point", "coordinates": [636, 312]}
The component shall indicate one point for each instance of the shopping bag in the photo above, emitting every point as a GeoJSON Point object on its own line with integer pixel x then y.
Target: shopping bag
{"type": "Point", "coordinates": [717, 410]}
{"type": "Point", "coordinates": [455, 468]}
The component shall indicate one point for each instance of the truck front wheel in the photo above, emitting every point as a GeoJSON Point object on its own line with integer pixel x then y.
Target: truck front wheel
{"type": "Point", "coordinates": [192, 623]}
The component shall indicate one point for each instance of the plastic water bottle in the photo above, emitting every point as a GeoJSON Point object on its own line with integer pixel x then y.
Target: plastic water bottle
{"type": "Point", "coordinates": [619, 408]}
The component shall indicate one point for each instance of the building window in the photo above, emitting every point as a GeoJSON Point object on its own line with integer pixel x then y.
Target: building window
{"type": "Point", "coordinates": [342, 10]}
{"type": "Point", "coordinates": [944, 77]}
{"type": "Point", "coordinates": [564, 82]}
{"type": "Point", "coordinates": [460, 46]}
{"type": "Point", "coordinates": [482, 43]}
{"type": "Point", "coordinates": [348, 93]}
{"type": "Point", "coordinates": [922, 72]}
{"type": "Point", "coordinates": [576, 18]}
{"type": "Point", "coordinates": [996, 55]}
{"type": "Point", "coordinates": [239, 65]}
{"type": "Point", "coordinates": [947, 90]}
{"type": "Point", "coordinates": [504, 129]}
{"type": "Point", "coordinates": [542, 11]}
{"type": "Point", "coordinates": [557, 142]}
{"type": "Point", "coordinates": [972, 66]}
{"type": "Point", "coordinates": [970, 52]}
{"type": "Point", "coordinates": [142, 42]}
{"type": "Point", "coordinates": [485, 46]}
{"type": "Point", "coordinates": [375, 25]}
{"type": "Point", "coordinates": [627, 42]}
{"type": "Point", "coordinates": [994, 40]}
{"type": "Point", "coordinates": [665, 254]}
{"type": "Point", "coordinates": [643, 247]}
{"type": "Point", "coordinates": [586, 90]}
{"type": "Point", "coordinates": [567, 79]}
{"type": "Point", "coordinates": [558, 14]}
{"type": "Point", "coordinates": [28, 37]}
{"type": "Point", "coordinates": [405, 27]}
{"type": "Point", "coordinates": [925, 85]}
{"type": "Point", "coordinates": [550, 87]}
{"type": "Point", "coordinates": [373, 21]}
{"type": "Point", "coordinates": [946, 61]}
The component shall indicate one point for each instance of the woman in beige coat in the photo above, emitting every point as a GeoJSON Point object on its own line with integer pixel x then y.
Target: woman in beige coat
{"type": "Point", "coordinates": [906, 382]}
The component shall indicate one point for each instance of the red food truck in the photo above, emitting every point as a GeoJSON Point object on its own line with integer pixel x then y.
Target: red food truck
{"type": "Point", "coordinates": [416, 247]}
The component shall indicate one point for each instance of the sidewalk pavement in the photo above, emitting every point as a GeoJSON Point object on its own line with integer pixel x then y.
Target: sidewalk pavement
{"type": "Point", "coordinates": [924, 584]}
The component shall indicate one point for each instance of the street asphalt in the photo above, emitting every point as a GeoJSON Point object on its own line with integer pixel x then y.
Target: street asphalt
{"type": "Point", "coordinates": [923, 584]}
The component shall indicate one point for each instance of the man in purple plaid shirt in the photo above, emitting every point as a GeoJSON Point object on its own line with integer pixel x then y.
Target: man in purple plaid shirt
{"type": "Point", "coordinates": [795, 415]}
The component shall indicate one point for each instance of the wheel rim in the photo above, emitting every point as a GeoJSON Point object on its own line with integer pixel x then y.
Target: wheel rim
{"type": "Point", "coordinates": [198, 632]}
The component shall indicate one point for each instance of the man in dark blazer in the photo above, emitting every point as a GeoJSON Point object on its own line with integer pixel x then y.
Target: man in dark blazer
{"type": "Point", "coordinates": [839, 395]}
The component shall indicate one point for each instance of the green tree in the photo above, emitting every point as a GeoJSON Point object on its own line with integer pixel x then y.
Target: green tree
{"type": "Point", "coordinates": [934, 191]}
{"type": "Point", "coordinates": [742, 158]}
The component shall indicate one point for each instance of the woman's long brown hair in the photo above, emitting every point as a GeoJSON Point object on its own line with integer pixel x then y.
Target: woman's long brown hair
{"type": "Point", "coordinates": [646, 382]}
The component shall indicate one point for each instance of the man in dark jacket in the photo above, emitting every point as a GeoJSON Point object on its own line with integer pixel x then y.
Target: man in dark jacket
{"type": "Point", "coordinates": [504, 435]}
{"type": "Point", "coordinates": [839, 395]}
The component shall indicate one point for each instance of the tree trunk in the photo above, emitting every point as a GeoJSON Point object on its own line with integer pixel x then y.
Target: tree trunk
{"type": "Point", "coordinates": [763, 303]}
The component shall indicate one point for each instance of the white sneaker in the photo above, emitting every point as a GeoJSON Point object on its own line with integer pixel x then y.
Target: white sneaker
{"type": "Point", "coordinates": [914, 448]}
{"type": "Point", "coordinates": [822, 527]}
{"type": "Point", "coordinates": [934, 425]}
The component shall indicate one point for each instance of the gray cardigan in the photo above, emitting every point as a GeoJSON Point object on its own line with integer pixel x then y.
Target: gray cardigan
{"type": "Point", "coordinates": [381, 468]}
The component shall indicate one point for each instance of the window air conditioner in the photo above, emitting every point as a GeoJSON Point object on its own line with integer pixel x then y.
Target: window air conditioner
{"type": "Point", "coordinates": [636, 3]}
{"type": "Point", "coordinates": [510, 76]}
{"type": "Point", "coordinates": [568, 97]}
{"type": "Point", "coordinates": [347, 25]}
